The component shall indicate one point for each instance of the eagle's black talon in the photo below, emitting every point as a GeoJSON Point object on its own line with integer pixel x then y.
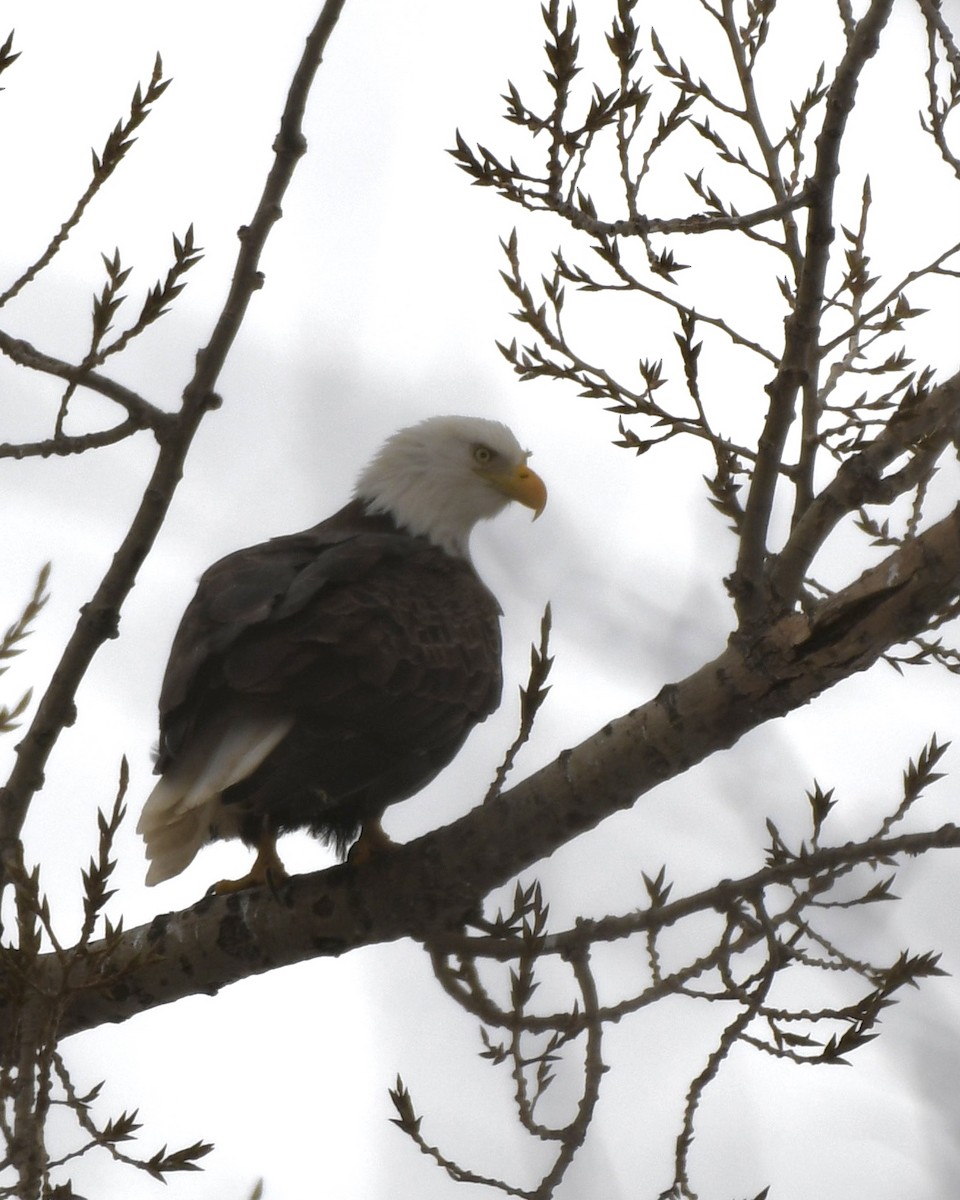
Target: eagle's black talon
{"type": "Point", "coordinates": [373, 843]}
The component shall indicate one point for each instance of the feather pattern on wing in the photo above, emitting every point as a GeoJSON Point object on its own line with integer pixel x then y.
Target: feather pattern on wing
{"type": "Point", "coordinates": [316, 679]}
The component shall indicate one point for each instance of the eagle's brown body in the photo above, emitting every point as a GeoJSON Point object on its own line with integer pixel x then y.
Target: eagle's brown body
{"type": "Point", "coordinates": [320, 677]}
{"type": "Point", "coordinates": [316, 628]}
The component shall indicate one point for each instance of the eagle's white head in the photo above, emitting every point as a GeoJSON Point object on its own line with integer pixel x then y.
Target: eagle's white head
{"type": "Point", "coordinates": [441, 477]}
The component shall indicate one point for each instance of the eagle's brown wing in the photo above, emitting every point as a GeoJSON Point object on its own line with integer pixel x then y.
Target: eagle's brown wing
{"type": "Point", "coordinates": [366, 654]}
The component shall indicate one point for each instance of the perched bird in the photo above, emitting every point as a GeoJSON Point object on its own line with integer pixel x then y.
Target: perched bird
{"type": "Point", "coordinates": [319, 677]}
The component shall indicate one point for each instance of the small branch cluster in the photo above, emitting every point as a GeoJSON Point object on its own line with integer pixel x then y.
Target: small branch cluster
{"type": "Point", "coordinates": [34, 1079]}
{"type": "Point", "coordinates": [775, 933]}
{"type": "Point", "coordinates": [532, 1047]}
{"type": "Point", "coordinates": [106, 305]}
{"type": "Point", "coordinates": [943, 82]}
{"type": "Point", "coordinates": [138, 413]}
{"type": "Point", "coordinates": [618, 141]}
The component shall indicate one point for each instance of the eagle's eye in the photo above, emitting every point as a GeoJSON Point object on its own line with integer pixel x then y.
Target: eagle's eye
{"type": "Point", "coordinates": [483, 456]}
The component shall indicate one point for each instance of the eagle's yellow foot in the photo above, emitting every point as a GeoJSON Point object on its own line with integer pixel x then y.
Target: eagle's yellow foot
{"type": "Point", "coordinates": [267, 869]}
{"type": "Point", "coordinates": [371, 844]}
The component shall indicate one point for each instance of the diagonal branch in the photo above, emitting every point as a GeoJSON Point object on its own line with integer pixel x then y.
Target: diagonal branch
{"type": "Point", "coordinates": [428, 886]}
{"type": "Point", "coordinates": [99, 618]}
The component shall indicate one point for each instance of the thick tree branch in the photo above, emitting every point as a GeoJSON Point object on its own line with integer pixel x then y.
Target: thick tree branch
{"type": "Point", "coordinates": [430, 884]}
{"type": "Point", "coordinates": [100, 617]}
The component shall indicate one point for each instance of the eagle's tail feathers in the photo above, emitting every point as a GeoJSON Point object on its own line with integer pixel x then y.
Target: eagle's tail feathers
{"type": "Point", "coordinates": [182, 809]}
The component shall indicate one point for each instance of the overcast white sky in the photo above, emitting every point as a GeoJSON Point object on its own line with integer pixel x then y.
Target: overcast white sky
{"type": "Point", "coordinates": [381, 305]}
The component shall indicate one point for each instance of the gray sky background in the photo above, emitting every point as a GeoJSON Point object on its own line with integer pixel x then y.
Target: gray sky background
{"type": "Point", "coordinates": [381, 306]}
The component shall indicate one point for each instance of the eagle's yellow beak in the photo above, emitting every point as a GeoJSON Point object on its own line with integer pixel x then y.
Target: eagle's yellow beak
{"type": "Point", "coordinates": [522, 484]}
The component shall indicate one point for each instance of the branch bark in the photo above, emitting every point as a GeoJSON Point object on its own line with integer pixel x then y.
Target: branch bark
{"type": "Point", "coordinates": [430, 884]}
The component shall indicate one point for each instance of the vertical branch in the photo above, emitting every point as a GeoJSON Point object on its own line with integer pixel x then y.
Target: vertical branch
{"type": "Point", "coordinates": [27, 1147]}
{"type": "Point", "coordinates": [815, 395]}
{"type": "Point", "coordinates": [751, 1002]}
{"type": "Point", "coordinates": [575, 1133]}
{"type": "Point", "coordinates": [754, 117]}
{"type": "Point", "coordinates": [942, 101]}
{"type": "Point", "coordinates": [623, 43]}
{"type": "Point", "coordinates": [562, 51]}
{"type": "Point", "coordinates": [801, 349]}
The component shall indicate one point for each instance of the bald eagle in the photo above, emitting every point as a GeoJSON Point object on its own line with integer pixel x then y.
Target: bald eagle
{"type": "Point", "coordinates": [320, 677]}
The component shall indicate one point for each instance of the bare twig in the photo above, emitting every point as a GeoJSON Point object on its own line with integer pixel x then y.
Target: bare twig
{"type": "Point", "coordinates": [531, 698]}
{"type": "Point", "coordinates": [141, 411]}
{"type": "Point", "coordinates": [64, 444]}
{"type": "Point", "coordinates": [104, 164]}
